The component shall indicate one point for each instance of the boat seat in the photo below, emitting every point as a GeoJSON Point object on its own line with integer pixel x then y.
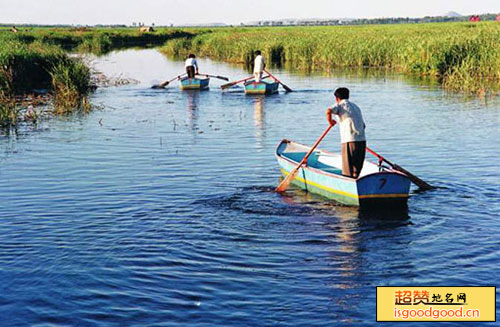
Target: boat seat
{"type": "Point", "coordinates": [325, 168]}
{"type": "Point", "coordinates": [313, 162]}
{"type": "Point", "coordinates": [295, 156]}
{"type": "Point", "coordinates": [332, 170]}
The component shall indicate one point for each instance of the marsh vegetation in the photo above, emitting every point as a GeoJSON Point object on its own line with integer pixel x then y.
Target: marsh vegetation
{"type": "Point", "coordinates": [463, 57]}
{"type": "Point", "coordinates": [37, 61]}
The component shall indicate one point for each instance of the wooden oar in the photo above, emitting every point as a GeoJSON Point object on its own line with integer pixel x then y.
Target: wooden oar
{"type": "Point", "coordinates": [162, 85]}
{"type": "Point", "coordinates": [277, 80]}
{"type": "Point", "coordinates": [215, 76]}
{"type": "Point", "coordinates": [225, 86]}
{"type": "Point", "coordinates": [420, 183]}
{"type": "Point", "coordinates": [284, 184]}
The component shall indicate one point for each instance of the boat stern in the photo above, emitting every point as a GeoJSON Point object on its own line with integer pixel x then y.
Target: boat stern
{"type": "Point", "coordinates": [262, 87]}
{"type": "Point", "coordinates": [384, 188]}
{"type": "Point", "coordinates": [194, 83]}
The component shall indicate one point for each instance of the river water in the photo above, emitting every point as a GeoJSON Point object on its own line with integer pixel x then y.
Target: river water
{"type": "Point", "coordinates": [159, 210]}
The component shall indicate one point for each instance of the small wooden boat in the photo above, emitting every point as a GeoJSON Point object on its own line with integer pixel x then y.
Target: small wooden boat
{"type": "Point", "coordinates": [187, 83]}
{"type": "Point", "coordinates": [323, 175]}
{"type": "Point", "coordinates": [261, 87]}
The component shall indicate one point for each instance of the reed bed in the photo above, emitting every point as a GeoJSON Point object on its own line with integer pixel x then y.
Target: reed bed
{"type": "Point", "coordinates": [462, 56]}
{"type": "Point", "coordinates": [38, 67]}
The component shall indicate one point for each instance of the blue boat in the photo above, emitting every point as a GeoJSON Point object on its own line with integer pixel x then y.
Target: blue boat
{"type": "Point", "coordinates": [376, 185]}
{"type": "Point", "coordinates": [187, 83]}
{"type": "Point", "coordinates": [261, 87]}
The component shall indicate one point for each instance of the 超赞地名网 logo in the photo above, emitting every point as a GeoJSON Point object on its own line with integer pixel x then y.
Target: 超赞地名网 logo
{"type": "Point", "coordinates": [429, 303]}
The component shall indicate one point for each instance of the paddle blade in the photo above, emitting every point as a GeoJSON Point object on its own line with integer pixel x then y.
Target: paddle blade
{"type": "Point", "coordinates": [286, 88]}
{"type": "Point", "coordinates": [417, 181]}
{"type": "Point", "coordinates": [222, 77]}
{"type": "Point", "coordinates": [160, 86]}
{"type": "Point", "coordinates": [288, 179]}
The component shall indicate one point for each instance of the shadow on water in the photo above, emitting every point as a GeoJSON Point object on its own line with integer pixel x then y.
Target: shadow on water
{"type": "Point", "coordinates": [263, 200]}
{"type": "Point", "coordinates": [258, 200]}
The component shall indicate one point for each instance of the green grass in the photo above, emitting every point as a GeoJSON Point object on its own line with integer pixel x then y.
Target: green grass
{"type": "Point", "coordinates": [95, 40]}
{"type": "Point", "coordinates": [462, 56]}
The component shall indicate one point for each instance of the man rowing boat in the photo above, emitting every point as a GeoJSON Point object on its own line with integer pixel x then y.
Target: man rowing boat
{"type": "Point", "coordinates": [352, 132]}
{"type": "Point", "coordinates": [259, 66]}
{"type": "Point", "coordinates": [191, 66]}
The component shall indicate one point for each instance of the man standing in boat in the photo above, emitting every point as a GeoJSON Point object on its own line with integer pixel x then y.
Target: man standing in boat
{"type": "Point", "coordinates": [352, 132]}
{"type": "Point", "coordinates": [259, 66]}
{"type": "Point", "coordinates": [191, 66]}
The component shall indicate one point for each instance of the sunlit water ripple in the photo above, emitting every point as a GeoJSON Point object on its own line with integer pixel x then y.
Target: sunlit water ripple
{"type": "Point", "coordinates": [159, 209]}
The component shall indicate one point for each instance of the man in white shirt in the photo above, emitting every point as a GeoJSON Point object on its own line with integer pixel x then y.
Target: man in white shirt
{"type": "Point", "coordinates": [191, 66]}
{"type": "Point", "coordinates": [352, 132]}
{"type": "Point", "coordinates": [259, 66]}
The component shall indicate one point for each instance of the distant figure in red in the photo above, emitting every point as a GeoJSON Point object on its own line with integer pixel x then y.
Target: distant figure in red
{"type": "Point", "coordinates": [474, 18]}
{"type": "Point", "coordinates": [498, 18]}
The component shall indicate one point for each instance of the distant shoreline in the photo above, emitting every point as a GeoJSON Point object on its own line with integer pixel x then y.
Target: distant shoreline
{"type": "Point", "coordinates": [451, 17]}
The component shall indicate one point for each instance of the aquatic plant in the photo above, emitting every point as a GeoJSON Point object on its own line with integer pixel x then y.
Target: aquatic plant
{"type": "Point", "coordinates": [8, 111]}
{"type": "Point", "coordinates": [70, 84]}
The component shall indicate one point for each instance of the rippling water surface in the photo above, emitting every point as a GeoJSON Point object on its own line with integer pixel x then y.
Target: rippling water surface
{"type": "Point", "coordinates": [159, 210]}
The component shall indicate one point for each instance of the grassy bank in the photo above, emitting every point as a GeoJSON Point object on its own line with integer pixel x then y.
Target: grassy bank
{"type": "Point", "coordinates": [27, 68]}
{"type": "Point", "coordinates": [37, 59]}
{"type": "Point", "coordinates": [462, 56]}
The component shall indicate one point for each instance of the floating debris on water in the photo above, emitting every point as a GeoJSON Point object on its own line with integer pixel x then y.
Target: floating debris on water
{"type": "Point", "coordinates": [98, 79]}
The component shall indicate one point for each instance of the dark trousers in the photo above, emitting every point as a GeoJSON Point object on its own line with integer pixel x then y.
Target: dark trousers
{"type": "Point", "coordinates": [190, 71]}
{"type": "Point", "coordinates": [353, 157]}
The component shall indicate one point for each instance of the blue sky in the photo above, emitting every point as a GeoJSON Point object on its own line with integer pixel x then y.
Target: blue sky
{"type": "Point", "coordinates": [163, 12]}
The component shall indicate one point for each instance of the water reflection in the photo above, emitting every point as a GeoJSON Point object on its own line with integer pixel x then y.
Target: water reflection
{"type": "Point", "coordinates": [362, 245]}
{"type": "Point", "coordinates": [259, 117]}
{"type": "Point", "coordinates": [192, 104]}
{"type": "Point", "coordinates": [369, 244]}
